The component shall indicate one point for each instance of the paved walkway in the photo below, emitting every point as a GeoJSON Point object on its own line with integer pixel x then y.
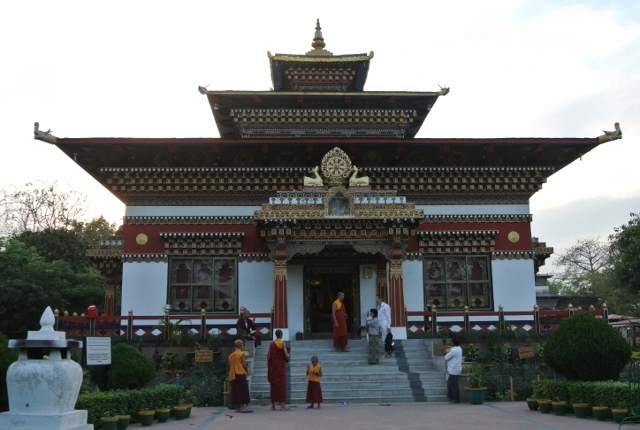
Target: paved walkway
{"type": "Point", "coordinates": [432, 416]}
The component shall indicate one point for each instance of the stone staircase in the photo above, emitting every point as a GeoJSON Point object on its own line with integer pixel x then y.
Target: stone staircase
{"type": "Point", "coordinates": [411, 375]}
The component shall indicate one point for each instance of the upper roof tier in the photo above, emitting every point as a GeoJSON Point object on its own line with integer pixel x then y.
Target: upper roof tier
{"type": "Point", "coordinates": [319, 69]}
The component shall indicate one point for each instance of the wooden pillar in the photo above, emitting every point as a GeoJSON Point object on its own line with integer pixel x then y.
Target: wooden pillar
{"type": "Point", "coordinates": [381, 280]}
{"type": "Point", "coordinates": [280, 303]}
{"type": "Point", "coordinates": [109, 294]}
{"type": "Point", "coordinates": [396, 293]}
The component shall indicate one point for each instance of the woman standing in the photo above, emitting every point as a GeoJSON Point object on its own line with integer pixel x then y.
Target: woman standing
{"type": "Point", "coordinates": [373, 330]}
{"type": "Point", "coordinates": [238, 378]}
{"type": "Point", "coordinates": [277, 359]}
{"type": "Point", "coordinates": [246, 323]}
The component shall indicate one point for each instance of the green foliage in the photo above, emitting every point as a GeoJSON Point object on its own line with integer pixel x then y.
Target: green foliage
{"type": "Point", "coordinates": [476, 371]}
{"type": "Point", "coordinates": [585, 348]}
{"type": "Point", "coordinates": [472, 353]}
{"type": "Point", "coordinates": [128, 402]}
{"type": "Point", "coordinates": [176, 332]}
{"type": "Point", "coordinates": [129, 369]}
{"type": "Point", "coordinates": [612, 394]}
{"type": "Point", "coordinates": [28, 284]}
{"type": "Point", "coordinates": [7, 357]}
{"type": "Point", "coordinates": [205, 386]}
{"type": "Point", "coordinates": [625, 257]}
{"type": "Point", "coordinates": [443, 334]}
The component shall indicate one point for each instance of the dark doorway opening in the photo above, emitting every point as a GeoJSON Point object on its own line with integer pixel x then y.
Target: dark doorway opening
{"type": "Point", "coordinates": [322, 285]}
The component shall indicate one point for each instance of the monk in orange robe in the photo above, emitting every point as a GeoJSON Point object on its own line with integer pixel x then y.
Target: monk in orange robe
{"type": "Point", "coordinates": [238, 371]}
{"type": "Point", "coordinates": [339, 316]}
{"type": "Point", "coordinates": [277, 359]}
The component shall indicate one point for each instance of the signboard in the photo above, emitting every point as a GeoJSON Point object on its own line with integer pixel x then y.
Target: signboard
{"type": "Point", "coordinates": [525, 352]}
{"type": "Point", "coordinates": [98, 350]}
{"type": "Point", "coordinates": [204, 356]}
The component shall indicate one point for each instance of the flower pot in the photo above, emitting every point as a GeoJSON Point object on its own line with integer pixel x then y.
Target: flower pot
{"type": "Point", "coordinates": [189, 406]}
{"type": "Point", "coordinates": [581, 410]}
{"type": "Point", "coordinates": [162, 415]}
{"type": "Point", "coordinates": [109, 423]}
{"type": "Point", "coordinates": [619, 414]}
{"type": "Point", "coordinates": [544, 405]}
{"type": "Point", "coordinates": [559, 408]}
{"type": "Point", "coordinates": [123, 422]}
{"type": "Point", "coordinates": [180, 412]}
{"type": "Point", "coordinates": [532, 404]}
{"type": "Point", "coordinates": [476, 395]}
{"type": "Point", "coordinates": [600, 412]}
{"type": "Point", "coordinates": [146, 418]}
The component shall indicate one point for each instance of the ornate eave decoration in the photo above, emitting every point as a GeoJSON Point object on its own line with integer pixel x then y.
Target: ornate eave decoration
{"type": "Point", "coordinates": [512, 255]}
{"type": "Point", "coordinates": [145, 258]}
{"type": "Point", "coordinates": [227, 243]}
{"type": "Point", "coordinates": [457, 242]}
{"type": "Point", "coordinates": [187, 220]}
{"type": "Point", "coordinates": [431, 219]}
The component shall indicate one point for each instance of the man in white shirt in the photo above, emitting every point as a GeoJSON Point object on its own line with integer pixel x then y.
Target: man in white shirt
{"type": "Point", "coordinates": [384, 317]}
{"type": "Point", "coordinates": [454, 368]}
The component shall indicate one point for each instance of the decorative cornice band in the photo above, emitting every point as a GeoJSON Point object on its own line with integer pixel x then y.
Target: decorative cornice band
{"type": "Point", "coordinates": [186, 220]}
{"type": "Point", "coordinates": [145, 258]}
{"type": "Point", "coordinates": [477, 218]}
{"type": "Point", "coordinates": [512, 255]}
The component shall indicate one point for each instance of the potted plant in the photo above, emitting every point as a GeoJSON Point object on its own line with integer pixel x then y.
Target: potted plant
{"type": "Point", "coordinates": [532, 403]}
{"type": "Point", "coordinates": [600, 412]}
{"type": "Point", "coordinates": [475, 392]}
{"type": "Point", "coordinates": [544, 405]}
{"type": "Point", "coordinates": [179, 412]}
{"type": "Point", "coordinates": [123, 422]}
{"type": "Point", "coordinates": [580, 408]}
{"type": "Point", "coordinates": [188, 399]}
{"type": "Point", "coordinates": [620, 412]}
{"type": "Point", "coordinates": [559, 407]}
{"type": "Point", "coordinates": [163, 414]}
{"type": "Point", "coordinates": [146, 417]}
{"type": "Point", "coordinates": [443, 334]}
{"type": "Point", "coordinates": [109, 420]}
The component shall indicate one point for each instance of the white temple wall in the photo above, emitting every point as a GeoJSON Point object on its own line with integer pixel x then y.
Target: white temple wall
{"type": "Point", "coordinates": [256, 286]}
{"type": "Point", "coordinates": [144, 288]}
{"type": "Point", "coordinates": [295, 302]}
{"type": "Point", "coordinates": [412, 283]}
{"type": "Point", "coordinates": [513, 284]}
{"type": "Point", "coordinates": [367, 290]}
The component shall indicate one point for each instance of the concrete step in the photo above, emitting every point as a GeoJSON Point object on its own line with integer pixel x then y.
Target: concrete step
{"type": "Point", "coordinates": [410, 375]}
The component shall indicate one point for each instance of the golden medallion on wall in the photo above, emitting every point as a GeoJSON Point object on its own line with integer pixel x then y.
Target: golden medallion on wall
{"type": "Point", "coordinates": [513, 236]}
{"type": "Point", "coordinates": [142, 239]}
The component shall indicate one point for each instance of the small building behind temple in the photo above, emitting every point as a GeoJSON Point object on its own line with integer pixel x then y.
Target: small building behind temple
{"type": "Point", "coordinates": [317, 187]}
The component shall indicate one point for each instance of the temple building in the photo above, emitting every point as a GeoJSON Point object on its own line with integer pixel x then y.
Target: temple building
{"type": "Point", "coordinates": [315, 187]}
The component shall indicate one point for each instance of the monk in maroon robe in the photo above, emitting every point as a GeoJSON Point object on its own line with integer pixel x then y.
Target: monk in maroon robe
{"type": "Point", "coordinates": [339, 317]}
{"type": "Point", "coordinates": [277, 359]}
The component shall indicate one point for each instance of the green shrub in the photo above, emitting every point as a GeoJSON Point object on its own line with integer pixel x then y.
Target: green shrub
{"type": "Point", "coordinates": [128, 402]}
{"type": "Point", "coordinates": [129, 369]}
{"type": "Point", "coordinates": [205, 386]}
{"type": "Point", "coordinates": [585, 348]}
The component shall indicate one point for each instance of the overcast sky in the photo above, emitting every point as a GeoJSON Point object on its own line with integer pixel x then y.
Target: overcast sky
{"type": "Point", "coordinates": [515, 68]}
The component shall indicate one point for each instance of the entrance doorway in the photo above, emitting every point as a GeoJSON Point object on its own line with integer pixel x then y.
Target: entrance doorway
{"type": "Point", "coordinates": [321, 287]}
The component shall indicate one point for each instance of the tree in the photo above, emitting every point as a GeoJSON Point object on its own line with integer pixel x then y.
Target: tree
{"type": "Point", "coordinates": [586, 348]}
{"type": "Point", "coordinates": [29, 283]}
{"type": "Point", "coordinates": [129, 369]}
{"type": "Point", "coordinates": [40, 206]}
{"type": "Point", "coordinates": [583, 266]}
{"type": "Point", "coordinates": [625, 255]}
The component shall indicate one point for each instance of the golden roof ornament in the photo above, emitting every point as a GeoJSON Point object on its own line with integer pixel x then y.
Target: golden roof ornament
{"type": "Point", "coordinates": [318, 43]}
{"type": "Point", "coordinates": [336, 166]}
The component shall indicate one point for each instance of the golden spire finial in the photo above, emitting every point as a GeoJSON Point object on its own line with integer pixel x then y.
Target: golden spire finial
{"type": "Point", "coordinates": [318, 43]}
{"type": "Point", "coordinates": [318, 40]}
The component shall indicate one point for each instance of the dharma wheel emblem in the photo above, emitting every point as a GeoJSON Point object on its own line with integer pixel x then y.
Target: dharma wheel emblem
{"type": "Point", "coordinates": [336, 166]}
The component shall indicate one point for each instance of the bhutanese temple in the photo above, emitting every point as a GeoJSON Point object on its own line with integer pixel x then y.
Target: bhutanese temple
{"type": "Point", "coordinates": [315, 187]}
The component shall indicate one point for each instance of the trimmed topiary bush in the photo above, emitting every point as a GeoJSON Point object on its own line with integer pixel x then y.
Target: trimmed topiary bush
{"type": "Point", "coordinates": [129, 369]}
{"type": "Point", "coordinates": [585, 348]}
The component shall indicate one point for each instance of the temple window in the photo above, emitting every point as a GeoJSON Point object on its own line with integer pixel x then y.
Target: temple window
{"type": "Point", "coordinates": [203, 283]}
{"type": "Point", "coordinates": [451, 282]}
